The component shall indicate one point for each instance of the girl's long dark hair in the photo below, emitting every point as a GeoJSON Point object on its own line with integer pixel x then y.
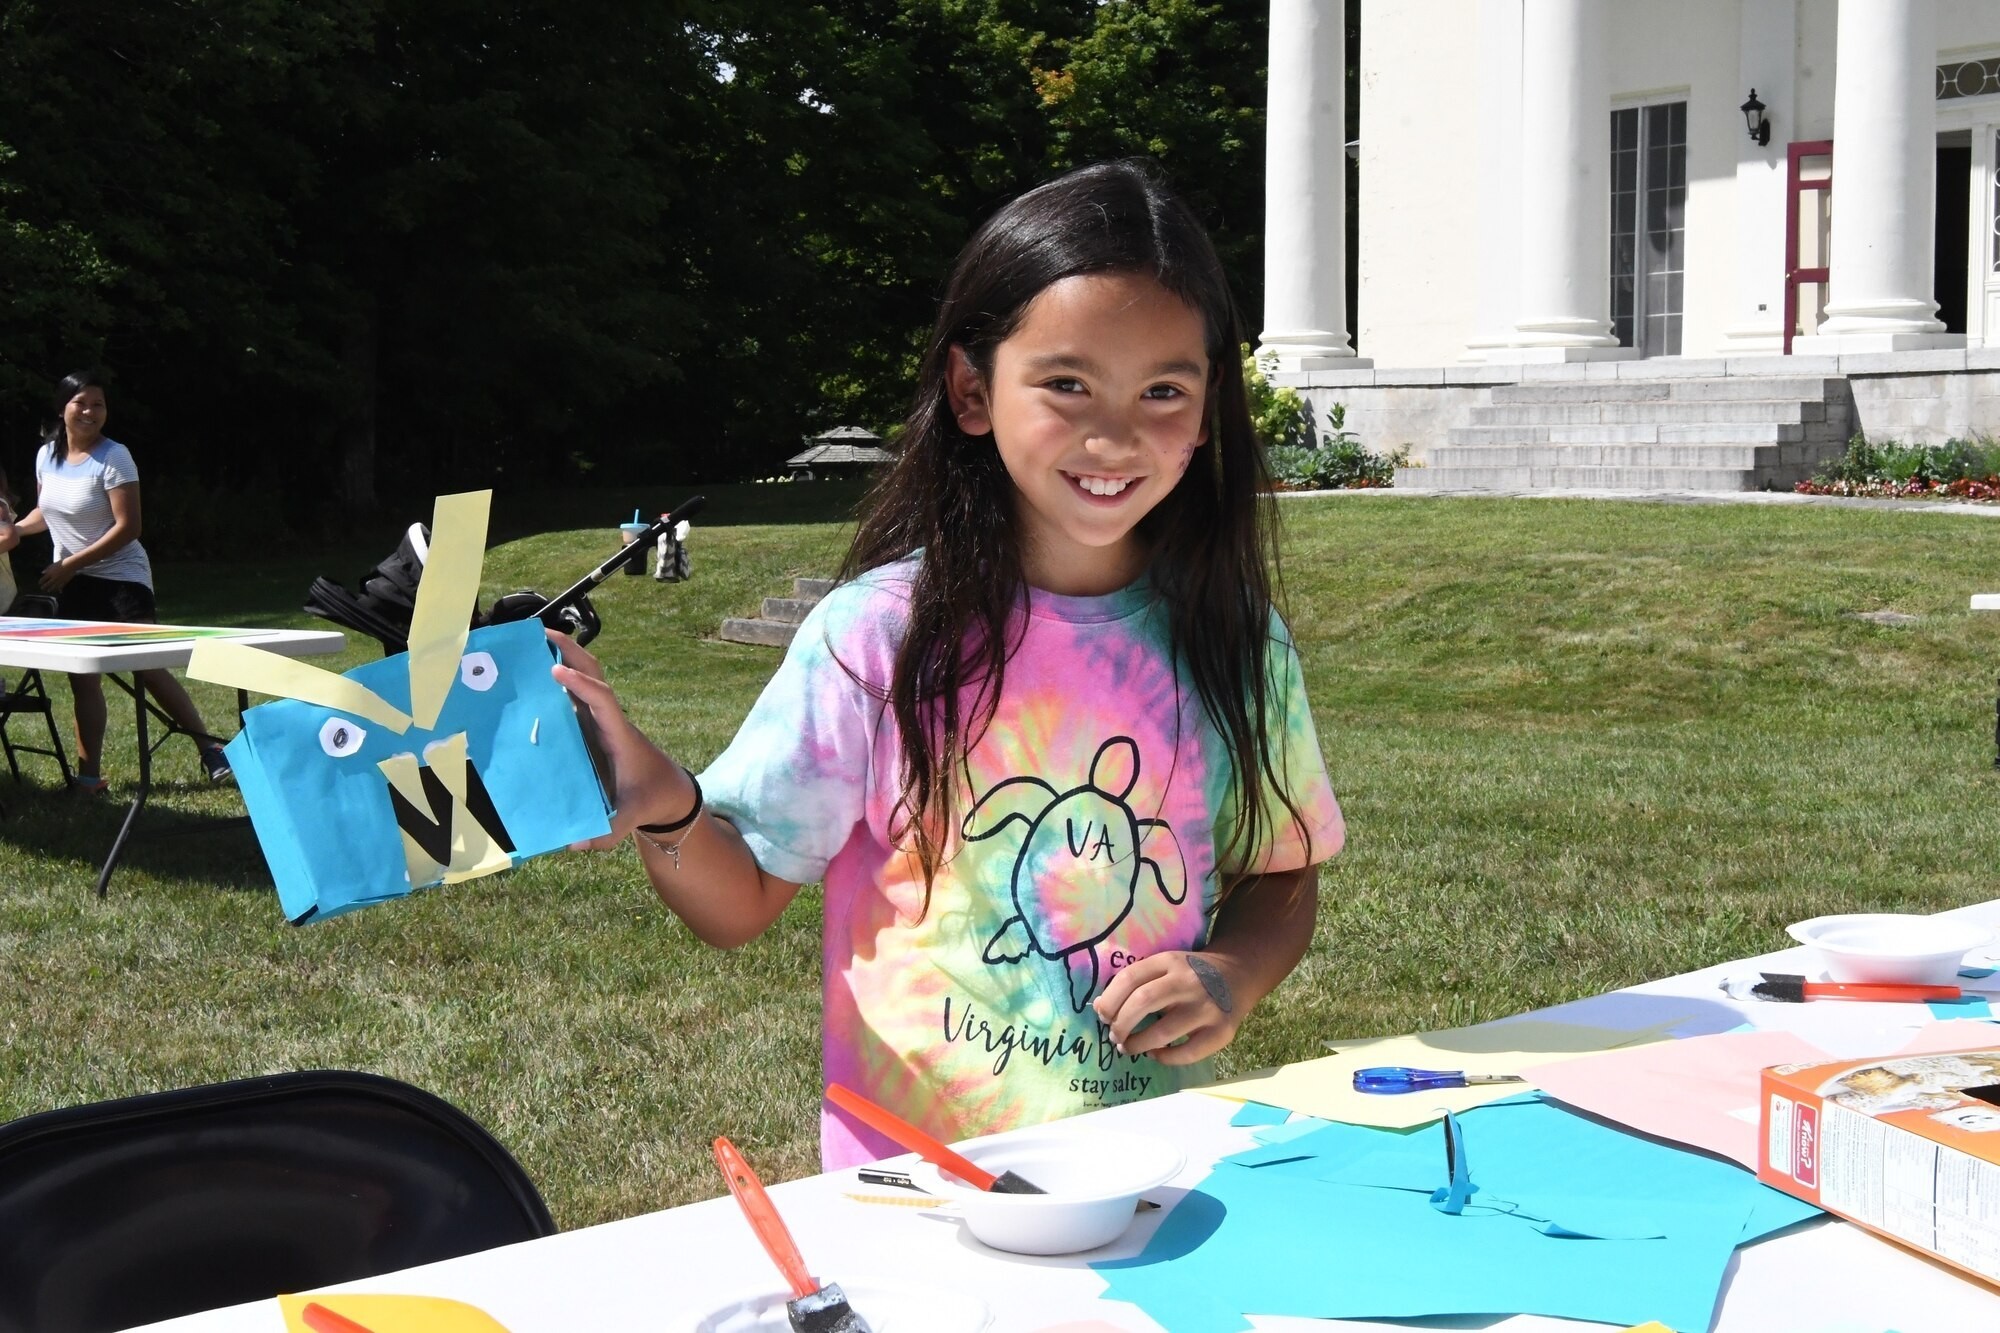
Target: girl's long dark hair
{"type": "Point", "coordinates": [1213, 539]}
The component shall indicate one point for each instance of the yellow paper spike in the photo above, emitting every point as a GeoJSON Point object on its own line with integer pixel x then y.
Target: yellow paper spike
{"type": "Point", "coordinates": [393, 1314]}
{"type": "Point", "coordinates": [247, 668]}
{"type": "Point", "coordinates": [401, 771]}
{"type": "Point", "coordinates": [449, 589]}
{"type": "Point", "coordinates": [473, 851]}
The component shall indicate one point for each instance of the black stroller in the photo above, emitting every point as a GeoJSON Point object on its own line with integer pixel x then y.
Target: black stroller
{"type": "Point", "coordinates": [386, 594]}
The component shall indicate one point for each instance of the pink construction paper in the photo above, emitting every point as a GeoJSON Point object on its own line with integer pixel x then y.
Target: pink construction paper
{"type": "Point", "coordinates": [1953, 1034]}
{"type": "Point", "coordinates": [1705, 1091]}
{"type": "Point", "coordinates": [1701, 1091]}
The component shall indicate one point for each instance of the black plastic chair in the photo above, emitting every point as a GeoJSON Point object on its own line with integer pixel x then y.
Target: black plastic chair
{"type": "Point", "coordinates": [126, 1212]}
{"type": "Point", "coordinates": [27, 696]}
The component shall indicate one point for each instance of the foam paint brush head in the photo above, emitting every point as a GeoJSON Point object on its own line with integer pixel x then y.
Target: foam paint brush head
{"type": "Point", "coordinates": [825, 1311]}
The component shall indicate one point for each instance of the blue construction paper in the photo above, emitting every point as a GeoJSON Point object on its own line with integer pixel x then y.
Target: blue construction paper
{"type": "Point", "coordinates": [1966, 1006]}
{"type": "Point", "coordinates": [326, 823]}
{"type": "Point", "coordinates": [1257, 1113]}
{"type": "Point", "coordinates": [1549, 1156]}
{"type": "Point", "coordinates": [1267, 1234]}
{"type": "Point", "coordinates": [1291, 1129]}
{"type": "Point", "coordinates": [1771, 1211]}
{"type": "Point", "coordinates": [1452, 1196]}
{"type": "Point", "coordinates": [1272, 1243]}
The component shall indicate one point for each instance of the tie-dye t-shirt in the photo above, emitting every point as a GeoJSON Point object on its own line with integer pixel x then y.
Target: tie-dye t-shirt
{"type": "Point", "coordinates": [1087, 839]}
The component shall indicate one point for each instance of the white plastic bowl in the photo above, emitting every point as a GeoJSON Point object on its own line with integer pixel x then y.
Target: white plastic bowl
{"type": "Point", "coordinates": [1093, 1183]}
{"type": "Point", "coordinates": [1886, 946]}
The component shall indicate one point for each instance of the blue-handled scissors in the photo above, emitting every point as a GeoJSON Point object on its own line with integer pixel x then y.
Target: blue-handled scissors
{"type": "Point", "coordinates": [1402, 1078]}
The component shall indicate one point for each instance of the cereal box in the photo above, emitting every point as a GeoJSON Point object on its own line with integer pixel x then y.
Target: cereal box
{"type": "Point", "coordinates": [1907, 1146]}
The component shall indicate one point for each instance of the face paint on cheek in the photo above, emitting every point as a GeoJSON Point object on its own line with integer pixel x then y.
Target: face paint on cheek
{"type": "Point", "coordinates": [1187, 456]}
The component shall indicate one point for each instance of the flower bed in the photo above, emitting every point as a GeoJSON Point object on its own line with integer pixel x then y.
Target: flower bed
{"type": "Point", "coordinates": [1966, 470]}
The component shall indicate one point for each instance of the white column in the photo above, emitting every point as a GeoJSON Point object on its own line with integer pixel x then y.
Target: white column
{"type": "Point", "coordinates": [1565, 190]}
{"type": "Point", "coordinates": [1884, 182]}
{"type": "Point", "coordinates": [1305, 189]}
{"type": "Point", "coordinates": [1497, 208]}
{"type": "Point", "coordinates": [1766, 62]}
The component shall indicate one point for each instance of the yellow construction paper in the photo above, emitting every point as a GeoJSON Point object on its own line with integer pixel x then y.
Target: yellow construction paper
{"type": "Point", "coordinates": [401, 771]}
{"type": "Point", "coordinates": [473, 851]}
{"type": "Point", "coordinates": [441, 617]}
{"type": "Point", "coordinates": [1654, 1327]}
{"type": "Point", "coordinates": [247, 668]}
{"type": "Point", "coordinates": [393, 1314]}
{"type": "Point", "coordinates": [1325, 1087]}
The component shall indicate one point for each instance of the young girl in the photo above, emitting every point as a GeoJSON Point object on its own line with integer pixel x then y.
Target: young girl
{"type": "Point", "coordinates": [87, 490]}
{"type": "Point", "coordinates": [1048, 746]}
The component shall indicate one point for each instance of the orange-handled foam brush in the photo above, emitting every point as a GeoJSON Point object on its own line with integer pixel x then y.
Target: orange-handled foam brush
{"type": "Point", "coordinates": [1793, 988]}
{"type": "Point", "coordinates": [925, 1146]}
{"type": "Point", "coordinates": [813, 1308]}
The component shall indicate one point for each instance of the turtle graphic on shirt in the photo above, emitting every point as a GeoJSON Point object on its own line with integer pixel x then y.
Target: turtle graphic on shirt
{"type": "Point", "coordinates": [1082, 864]}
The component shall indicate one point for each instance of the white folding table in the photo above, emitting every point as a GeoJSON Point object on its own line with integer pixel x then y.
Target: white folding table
{"type": "Point", "coordinates": [28, 644]}
{"type": "Point", "coordinates": [677, 1268]}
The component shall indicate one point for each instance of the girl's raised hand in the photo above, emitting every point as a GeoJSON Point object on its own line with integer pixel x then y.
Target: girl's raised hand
{"type": "Point", "coordinates": [1191, 997]}
{"type": "Point", "coordinates": [648, 787]}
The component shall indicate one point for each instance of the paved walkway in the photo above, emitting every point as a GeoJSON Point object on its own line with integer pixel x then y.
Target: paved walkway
{"type": "Point", "coordinates": [1673, 498]}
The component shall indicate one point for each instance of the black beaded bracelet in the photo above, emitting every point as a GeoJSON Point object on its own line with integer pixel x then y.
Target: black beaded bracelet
{"type": "Point", "coordinates": [685, 819]}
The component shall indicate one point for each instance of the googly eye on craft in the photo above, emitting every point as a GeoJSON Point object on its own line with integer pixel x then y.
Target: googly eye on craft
{"type": "Point", "coordinates": [478, 671]}
{"type": "Point", "coordinates": [340, 737]}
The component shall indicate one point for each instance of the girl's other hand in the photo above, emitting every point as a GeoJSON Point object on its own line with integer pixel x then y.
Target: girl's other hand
{"type": "Point", "coordinates": [646, 783]}
{"type": "Point", "coordinates": [57, 576]}
{"type": "Point", "coordinates": [1189, 996]}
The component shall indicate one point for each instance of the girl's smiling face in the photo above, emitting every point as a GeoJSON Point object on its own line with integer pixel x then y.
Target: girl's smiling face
{"type": "Point", "coordinates": [1096, 402]}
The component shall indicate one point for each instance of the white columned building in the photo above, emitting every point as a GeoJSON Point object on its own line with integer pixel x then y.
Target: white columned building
{"type": "Point", "coordinates": [1765, 66]}
{"type": "Point", "coordinates": [1565, 201]}
{"type": "Point", "coordinates": [1885, 169]}
{"type": "Point", "coordinates": [1596, 193]}
{"type": "Point", "coordinates": [1305, 190]}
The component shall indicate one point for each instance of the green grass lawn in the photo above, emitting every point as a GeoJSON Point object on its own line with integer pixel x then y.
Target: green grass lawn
{"type": "Point", "coordinates": [1579, 744]}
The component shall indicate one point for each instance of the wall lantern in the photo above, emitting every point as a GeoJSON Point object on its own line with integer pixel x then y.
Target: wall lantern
{"type": "Point", "coordinates": [1753, 116]}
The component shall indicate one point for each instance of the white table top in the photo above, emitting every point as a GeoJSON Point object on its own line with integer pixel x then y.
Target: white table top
{"type": "Point", "coordinates": [61, 655]}
{"type": "Point", "coordinates": [670, 1270]}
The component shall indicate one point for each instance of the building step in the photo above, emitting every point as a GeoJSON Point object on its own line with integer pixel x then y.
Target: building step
{"type": "Point", "coordinates": [1445, 479]}
{"type": "Point", "coordinates": [779, 617]}
{"type": "Point", "coordinates": [765, 633]}
{"type": "Point", "coordinates": [788, 610]}
{"type": "Point", "coordinates": [1706, 456]}
{"type": "Point", "coordinates": [1665, 411]}
{"type": "Point", "coordinates": [1706, 433]}
{"type": "Point", "coordinates": [1815, 388]}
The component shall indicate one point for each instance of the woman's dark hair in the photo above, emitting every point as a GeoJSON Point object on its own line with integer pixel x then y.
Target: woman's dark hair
{"type": "Point", "coordinates": [1212, 539]}
{"type": "Point", "coordinates": [67, 388]}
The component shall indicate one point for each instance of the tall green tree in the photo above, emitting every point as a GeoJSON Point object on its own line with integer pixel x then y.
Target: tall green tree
{"type": "Point", "coordinates": [337, 249]}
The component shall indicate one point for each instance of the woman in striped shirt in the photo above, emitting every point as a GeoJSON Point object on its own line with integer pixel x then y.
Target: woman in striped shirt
{"type": "Point", "coordinates": [88, 502]}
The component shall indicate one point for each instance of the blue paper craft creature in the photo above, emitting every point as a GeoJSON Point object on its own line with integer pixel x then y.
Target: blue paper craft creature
{"type": "Point", "coordinates": [459, 758]}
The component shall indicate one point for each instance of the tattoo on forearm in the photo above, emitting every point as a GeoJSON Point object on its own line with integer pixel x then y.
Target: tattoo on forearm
{"type": "Point", "coordinates": [1211, 981]}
